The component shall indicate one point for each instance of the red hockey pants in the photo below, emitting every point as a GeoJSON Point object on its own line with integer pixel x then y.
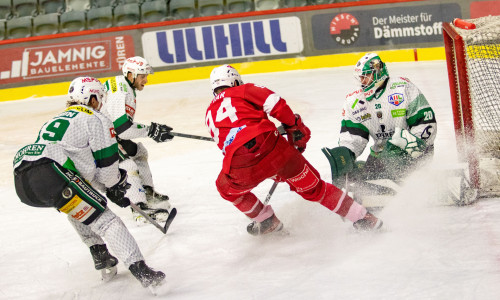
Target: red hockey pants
{"type": "Point", "coordinates": [273, 156]}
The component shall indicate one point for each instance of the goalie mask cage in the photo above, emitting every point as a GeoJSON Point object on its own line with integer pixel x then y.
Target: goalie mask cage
{"type": "Point", "coordinates": [473, 60]}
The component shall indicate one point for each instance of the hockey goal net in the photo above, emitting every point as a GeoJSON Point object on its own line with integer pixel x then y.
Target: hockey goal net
{"type": "Point", "coordinates": [473, 58]}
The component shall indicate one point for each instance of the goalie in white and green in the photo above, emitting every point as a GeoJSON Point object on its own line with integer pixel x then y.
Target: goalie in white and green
{"type": "Point", "coordinates": [394, 113]}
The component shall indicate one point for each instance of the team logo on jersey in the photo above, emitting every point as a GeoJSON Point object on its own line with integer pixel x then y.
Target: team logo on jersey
{"type": "Point", "coordinates": [396, 99]}
{"type": "Point", "coordinates": [112, 132]}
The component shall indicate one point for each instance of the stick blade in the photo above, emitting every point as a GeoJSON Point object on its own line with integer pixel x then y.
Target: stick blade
{"type": "Point", "coordinates": [170, 218]}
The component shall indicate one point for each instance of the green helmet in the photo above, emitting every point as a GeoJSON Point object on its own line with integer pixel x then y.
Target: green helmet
{"type": "Point", "coordinates": [371, 63]}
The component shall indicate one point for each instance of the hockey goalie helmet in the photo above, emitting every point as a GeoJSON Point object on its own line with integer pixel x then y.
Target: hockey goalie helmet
{"type": "Point", "coordinates": [370, 71]}
{"type": "Point", "coordinates": [224, 75]}
{"type": "Point", "coordinates": [136, 65]}
{"type": "Point", "coordinates": [82, 89]}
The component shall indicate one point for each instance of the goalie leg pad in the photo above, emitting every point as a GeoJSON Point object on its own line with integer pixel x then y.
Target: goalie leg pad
{"type": "Point", "coordinates": [341, 161]}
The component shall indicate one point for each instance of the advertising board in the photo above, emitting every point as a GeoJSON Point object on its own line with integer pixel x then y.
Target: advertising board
{"type": "Point", "coordinates": [86, 56]}
{"type": "Point", "coordinates": [255, 38]}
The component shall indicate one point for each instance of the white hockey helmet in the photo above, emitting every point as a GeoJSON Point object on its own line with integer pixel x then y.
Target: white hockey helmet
{"type": "Point", "coordinates": [82, 89]}
{"type": "Point", "coordinates": [136, 65]}
{"type": "Point", "coordinates": [371, 63]}
{"type": "Point", "coordinates": [224, 75]}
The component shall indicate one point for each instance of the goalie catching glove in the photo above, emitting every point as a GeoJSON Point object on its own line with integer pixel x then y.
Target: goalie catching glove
{"type": "Point", "coordinates": [298, 134]}
{"type": "Point", "coordinates": [404, 143]}
{"type": "Point", "coordinates": [159, 132]}
{"type": "Point", "coordinates": [117, 192]}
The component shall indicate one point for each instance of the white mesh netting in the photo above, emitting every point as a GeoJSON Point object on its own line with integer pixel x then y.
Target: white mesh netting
{"type": "Point", "coordinates": [482, 47]}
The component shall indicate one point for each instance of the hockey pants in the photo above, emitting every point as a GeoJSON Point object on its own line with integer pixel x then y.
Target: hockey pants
{"type": "Point", "coordinates": [45, 183]}
{"type": "Point", "coordinates": [273, 157]}
{"type": "Point", "coordinates": [139, 155]}
{"type": "Point", "coordinates": [134, 160]}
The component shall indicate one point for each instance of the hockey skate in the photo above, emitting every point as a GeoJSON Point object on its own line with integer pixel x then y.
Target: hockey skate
{"type": "Point", "coordinates": [104, 261]}
{"type": "Point", "coordinates": [271, 224]}
{"type": "Point", "coordinates": [154, 196]}
{"type": "Point", "coordinates": [368, 223]}
{"type": "Point", "coordinates": [146, 276]}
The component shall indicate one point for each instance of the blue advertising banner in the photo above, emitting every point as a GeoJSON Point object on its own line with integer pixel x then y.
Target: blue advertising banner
{"type": "Point", "coordinates": [223, 41]}
{"type": "Point", "coordinates": [378, 27]}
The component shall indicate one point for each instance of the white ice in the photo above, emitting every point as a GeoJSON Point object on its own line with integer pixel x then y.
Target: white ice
{"type": "Point", "coordinates": [428, 250]}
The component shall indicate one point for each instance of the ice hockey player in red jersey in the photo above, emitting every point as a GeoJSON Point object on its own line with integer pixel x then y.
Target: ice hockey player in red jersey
{"type": "Point", "coordinates": [237, 119]}
{"type": "Point", "coordinates": [74, 156]}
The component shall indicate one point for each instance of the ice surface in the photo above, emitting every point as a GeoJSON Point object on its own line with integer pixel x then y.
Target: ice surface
{"type": "Point", "coordinates": [428, 251]}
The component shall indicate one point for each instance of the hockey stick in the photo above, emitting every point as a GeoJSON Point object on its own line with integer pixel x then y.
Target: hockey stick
{"type": "Point", "coordinates": [206, 138]}
{"type": "Point", "coordinates": [164, 228]}
{"type": "Point", "coordinates": [192, 136]}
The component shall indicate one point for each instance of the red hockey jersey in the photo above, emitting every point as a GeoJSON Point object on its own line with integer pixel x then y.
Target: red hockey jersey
{"type": "Point", "coordinates": [240, 113]}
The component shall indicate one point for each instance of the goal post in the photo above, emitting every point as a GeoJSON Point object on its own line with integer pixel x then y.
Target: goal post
{"type": "Point", "coordinates": [473, 59]}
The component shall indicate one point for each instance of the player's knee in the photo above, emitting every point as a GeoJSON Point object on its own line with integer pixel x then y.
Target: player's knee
{"type": "Point", "coordinates": [142, 152]}
{"type": "Point", "coordinates": [306, 181]}
{"type": "Point", "coordinates": [130, 166]}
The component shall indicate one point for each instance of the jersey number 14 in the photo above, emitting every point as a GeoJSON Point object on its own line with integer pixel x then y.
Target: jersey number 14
{"type": "Point", "coordinates": [226, 110]}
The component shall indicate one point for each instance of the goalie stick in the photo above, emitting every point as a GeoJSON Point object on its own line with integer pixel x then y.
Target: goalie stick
{"type": "Point", "coordinates": [170, 218]}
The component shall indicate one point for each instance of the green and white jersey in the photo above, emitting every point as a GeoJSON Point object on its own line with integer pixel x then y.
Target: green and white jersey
{"type": "Point", "coordinates": [120, 107]}
{"type": "Point", "coordinates": [397, 104]}
{"type": "Point", "coordinates": [80, 139]}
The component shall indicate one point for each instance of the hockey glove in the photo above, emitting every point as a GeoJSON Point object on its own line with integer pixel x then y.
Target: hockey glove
{"type": "Point", "coordinates": [117, 192]}
{"type": "Point", "coordinates": [342, 161]}
{"type": "Point", "coordinates": [159, 132]}
{"type": "Point", "coordinates": [404, 143]}
{"type": "Point", "coordinates": [298, 134]}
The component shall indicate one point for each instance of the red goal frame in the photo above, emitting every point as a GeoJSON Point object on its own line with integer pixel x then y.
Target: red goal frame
{"type": "Point", "coordinates": [461, 101]}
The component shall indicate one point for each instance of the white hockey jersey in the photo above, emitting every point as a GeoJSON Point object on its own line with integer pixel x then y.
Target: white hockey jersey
{"type": "Point", "coordinates": [398, 104]}
{"type": "Point", "coordinates": [80, 139]}
{"type": "Point", "coordinates": [120, 107]}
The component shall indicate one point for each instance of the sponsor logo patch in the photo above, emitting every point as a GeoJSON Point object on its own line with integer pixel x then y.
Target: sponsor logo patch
{"type": "Point", "coordinates": [396, 99]}
{"type": "Point", "coordinates": [398, 113]}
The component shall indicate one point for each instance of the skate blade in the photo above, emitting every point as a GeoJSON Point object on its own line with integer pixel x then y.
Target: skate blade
{"type": "Point", "coordinates": [108, 273]}
{"type": "Point", "coordinates": [153, 288]}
